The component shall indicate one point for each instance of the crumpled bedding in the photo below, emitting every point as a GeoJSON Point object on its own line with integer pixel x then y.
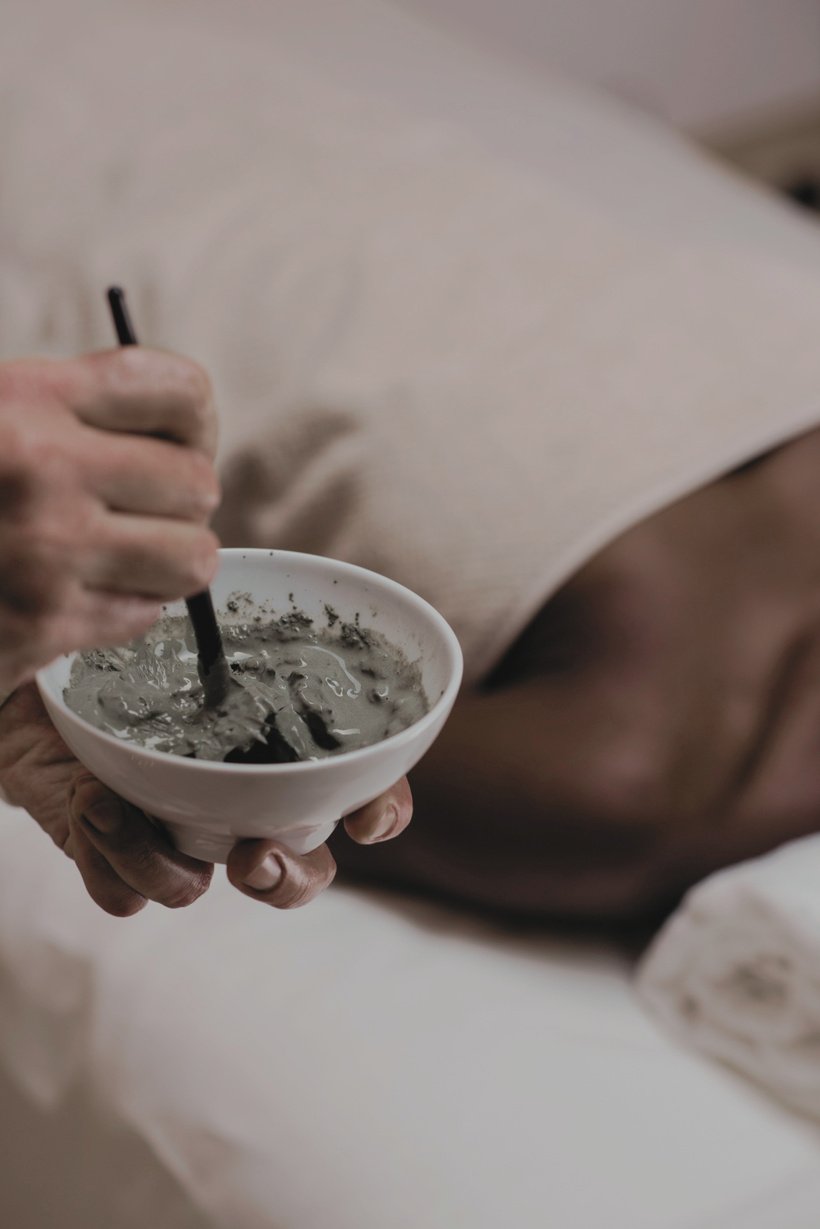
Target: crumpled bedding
{"type": "Point", "coordinates": [735, 973]}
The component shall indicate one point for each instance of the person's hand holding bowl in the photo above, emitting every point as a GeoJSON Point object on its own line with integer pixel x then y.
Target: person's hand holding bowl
{"type": "Point", "coordinates": [268, 822]}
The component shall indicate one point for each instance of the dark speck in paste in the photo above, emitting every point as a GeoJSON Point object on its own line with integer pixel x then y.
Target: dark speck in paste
{"type": "Point", "coordinates": [319, 690]}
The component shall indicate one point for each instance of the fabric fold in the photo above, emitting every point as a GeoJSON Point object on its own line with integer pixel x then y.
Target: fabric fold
{"type": "Point", "coordinates": [442, 348]}
{"type": "Point", "coordinates": [735, 972]}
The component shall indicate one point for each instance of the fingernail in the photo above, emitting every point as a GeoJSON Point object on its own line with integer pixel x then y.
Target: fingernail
{"type": "Point", "coordinates": [389, 823]}
{"type": "Point", "coordinates": [105, 817]}
{"type": "Point", "coordinates": [266, 875]}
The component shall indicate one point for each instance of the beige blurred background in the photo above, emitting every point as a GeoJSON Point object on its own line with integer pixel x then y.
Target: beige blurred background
{"type": "Point", "coordinates": [742, 75]}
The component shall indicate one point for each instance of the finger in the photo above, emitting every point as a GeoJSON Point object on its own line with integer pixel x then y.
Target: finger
{"type": "Point", "coordinates": [137, 851]}
{"type": "Point", "coordinates": [266, 871]}
{"type": "Point", "coordinates": [87, 621]}
{"type": "Point", "coordinates": [151, 392]}
{"type": "Point", "coordinates": [102, 882]}
{"type": "Point", "coordinates": [151, 556]}
{"type": "Point", "coordinates": [36, 767]}
{"type": "Point", "coordinates": [150, 477]}
{"type": "Point", "coordinates": [383, 818]}
{"type": "Point", "coordinates": [98, 619]}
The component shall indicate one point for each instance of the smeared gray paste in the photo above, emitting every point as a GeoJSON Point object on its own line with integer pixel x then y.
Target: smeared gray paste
{"type": "Point", "coordinates": [317, 691]}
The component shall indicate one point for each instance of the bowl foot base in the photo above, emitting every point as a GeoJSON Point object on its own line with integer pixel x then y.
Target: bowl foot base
{"type": "Point", "coordinates": [215, 846]}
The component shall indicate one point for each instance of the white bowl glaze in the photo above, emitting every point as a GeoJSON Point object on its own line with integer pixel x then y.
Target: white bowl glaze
{"type": "Point", "coordinates": [207, 807]}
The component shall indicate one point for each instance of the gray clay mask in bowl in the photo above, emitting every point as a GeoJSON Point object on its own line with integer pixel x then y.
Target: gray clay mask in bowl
{"type": "Point", "coordinates": [207, 804]}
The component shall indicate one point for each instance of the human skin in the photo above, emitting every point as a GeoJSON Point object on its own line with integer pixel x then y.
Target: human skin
{"type": "Point", "coordinates": [100, 521]}
{"type": "Point", "coordinates": [126, 861]}
{"type": "Point", "coordinates": [106, 487]}
{"type": "Point", "coordinates": [659, 719]}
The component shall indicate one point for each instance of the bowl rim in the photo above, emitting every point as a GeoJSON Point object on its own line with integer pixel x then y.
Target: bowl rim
{"type": "Point", "coordinates": [454, 654]}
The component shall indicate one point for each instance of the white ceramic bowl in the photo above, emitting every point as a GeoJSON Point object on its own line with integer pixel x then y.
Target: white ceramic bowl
{"type": "Point", "coordinates": [208, 806]}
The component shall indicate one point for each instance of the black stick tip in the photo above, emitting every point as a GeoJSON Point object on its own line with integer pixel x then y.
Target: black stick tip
{"type": "Point", "coordinates": [122, 320]}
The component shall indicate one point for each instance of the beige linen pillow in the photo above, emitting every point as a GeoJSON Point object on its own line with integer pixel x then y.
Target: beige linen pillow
{"type": "Point", "coordinates": [432, 357]}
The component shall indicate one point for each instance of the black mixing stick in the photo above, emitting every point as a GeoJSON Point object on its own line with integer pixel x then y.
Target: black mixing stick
{"type": "Point", "coordinates": [214, 673]}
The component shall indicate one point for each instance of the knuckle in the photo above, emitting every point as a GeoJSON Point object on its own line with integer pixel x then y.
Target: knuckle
{"type": "Point", "coordinates": [202, 560]}
{"type": "Point", "coordinates": [54, 540]}
{"type": "Point", "coordinates": [34, 463]}
{"type": "Point", "coordinates": [50, 545]}
{"type": "Point", "coordinates": [38, 589]}
{"type": "Point", "coordinates": [198, 424]}
{"type": "Point", "coordinates": [127, 372]}
{"type": "Point", "coordinates": [308, 887]}
{"type": "Point", "coordinates": [295, 898]}
{"type": "Point", "coordinates": [195, 400]}
{"type": "Point", "coordinates": [125, 367]}
{"type": "Point", "coordinates": [83, 790]}
{"type": "Point", "coordinates": [186, 890]}
{"type": "Point", "coordinates": [119, 903]}
{"type": "Point", "coordinates": [147, 870]}
{"type": "Point", "coordinates": [204, 485]}
{"type": "Point", "coordinates": [145, 866]}
{"type": "Point", "coordinates": [197, 384]}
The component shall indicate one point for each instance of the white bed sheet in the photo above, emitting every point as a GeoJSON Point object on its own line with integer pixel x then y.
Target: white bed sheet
{"type": "Point", "coordinates": [366, 1063]}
